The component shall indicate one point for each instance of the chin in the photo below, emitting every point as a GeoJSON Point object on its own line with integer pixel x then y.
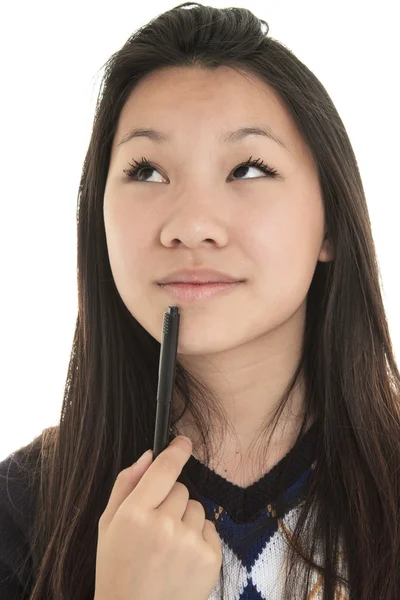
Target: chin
{"type": "Point", "coordinates": [205, 342]}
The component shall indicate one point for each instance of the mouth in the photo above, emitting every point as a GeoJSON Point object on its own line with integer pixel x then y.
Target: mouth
{"type": "Point", "coordinates": [192, 292]}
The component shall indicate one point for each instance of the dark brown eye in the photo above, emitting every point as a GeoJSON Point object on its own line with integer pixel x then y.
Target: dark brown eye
{"type": "Point", "coordinates": [143, 165]}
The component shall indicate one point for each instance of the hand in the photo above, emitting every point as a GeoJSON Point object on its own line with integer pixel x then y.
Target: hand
{"type": "Point", "coordinates": [153, 542]}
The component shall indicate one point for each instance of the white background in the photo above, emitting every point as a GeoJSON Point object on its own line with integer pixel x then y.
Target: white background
{"type": "Point", "coordinates": [51, 55]}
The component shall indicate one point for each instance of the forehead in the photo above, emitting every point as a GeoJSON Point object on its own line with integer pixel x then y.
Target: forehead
{"type": "Point", "coordinates": [196, 101]}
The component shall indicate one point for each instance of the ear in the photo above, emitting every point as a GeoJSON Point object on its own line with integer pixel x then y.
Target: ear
{"type": "Point", "coordinates": [327, 252]}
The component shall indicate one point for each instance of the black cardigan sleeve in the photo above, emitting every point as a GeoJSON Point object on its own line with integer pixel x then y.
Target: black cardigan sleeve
{"type": "Point", "coordinates": [15, 520]}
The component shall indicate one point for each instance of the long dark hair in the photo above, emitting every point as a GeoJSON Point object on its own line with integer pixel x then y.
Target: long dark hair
{"type": "Point", "coordinates": [348, 365]}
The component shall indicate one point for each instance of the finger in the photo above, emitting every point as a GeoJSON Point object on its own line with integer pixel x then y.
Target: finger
{"type": "Point", "coordinates": [194, 516]}
{"type": "Point", "coordinates": [160, 477]}
{"type": "Point", "coordinates": [211, 536]}
{"type": "Point", "coordinates": [175, 504]}
{"type": "Point", "coordinates": [124, 484]}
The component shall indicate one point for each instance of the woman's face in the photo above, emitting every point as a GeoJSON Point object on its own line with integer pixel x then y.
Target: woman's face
{"type": "Point", "coordinates": [195, 208]}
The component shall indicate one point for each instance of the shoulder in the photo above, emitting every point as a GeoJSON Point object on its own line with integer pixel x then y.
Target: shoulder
{"type": "Point", "coordinates": [19, 474]}
{"type": "Point", "coordinates": [16, 492]}
{"type": "Point", "coordinates": [17, 501]}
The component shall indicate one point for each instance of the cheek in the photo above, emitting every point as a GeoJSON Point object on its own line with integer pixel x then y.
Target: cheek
{"type": "Point", "coordinates": [270, 237]}
{"type": "Point", "coordinates": [127, 236]}
{"type": "Point", "coordinates": [283, 246]}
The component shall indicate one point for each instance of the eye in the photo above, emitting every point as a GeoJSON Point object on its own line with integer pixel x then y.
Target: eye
{"type": "Point", "coordinates": [144, 165]}
{"type": "Point", "coordinates": [141, 166]}
{"type": "Point", "coordinates": [257, 164]}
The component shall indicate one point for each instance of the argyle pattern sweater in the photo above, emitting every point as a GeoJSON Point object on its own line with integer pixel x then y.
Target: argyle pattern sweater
{"type": "Point", "coordinates": [256, 572]}
{"type": "Point", "coordinates": [252, 571]}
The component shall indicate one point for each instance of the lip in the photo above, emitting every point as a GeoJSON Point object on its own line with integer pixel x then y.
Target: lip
{"type": "Point", "coordinates": [200, 276]}
{"type": "Point", "coordinates": [188, 292]}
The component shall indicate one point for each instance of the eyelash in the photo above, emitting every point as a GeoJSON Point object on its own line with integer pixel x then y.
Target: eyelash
{"type": "Point", "coordinates": [249, 163]}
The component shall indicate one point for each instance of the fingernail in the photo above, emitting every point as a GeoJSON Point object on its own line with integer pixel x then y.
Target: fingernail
{"type": "Point", "coordinates": [143, 458]}
{"type": "Point", "coordinates": [183, 437]}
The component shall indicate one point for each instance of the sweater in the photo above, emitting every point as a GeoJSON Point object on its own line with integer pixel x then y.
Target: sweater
{"type": "Point", "coordinates": [252, 571]}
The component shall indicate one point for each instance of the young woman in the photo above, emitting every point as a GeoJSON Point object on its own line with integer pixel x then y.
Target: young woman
{"type": "Point", "coordinates": [216, 156]}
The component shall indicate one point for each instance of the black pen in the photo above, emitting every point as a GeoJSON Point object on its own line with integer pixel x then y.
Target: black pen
{"type": "Point", "coordinates": [166, 379]}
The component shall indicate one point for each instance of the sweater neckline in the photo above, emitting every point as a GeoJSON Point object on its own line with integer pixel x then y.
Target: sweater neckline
{"type": "Point", "coordinates": [246, 503]}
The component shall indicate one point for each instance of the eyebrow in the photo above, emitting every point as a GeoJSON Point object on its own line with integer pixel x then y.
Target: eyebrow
{"type": "Point", "coordinates": [227, 137]}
